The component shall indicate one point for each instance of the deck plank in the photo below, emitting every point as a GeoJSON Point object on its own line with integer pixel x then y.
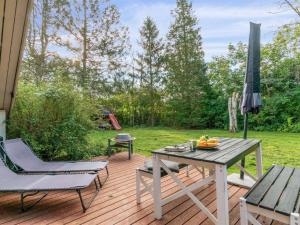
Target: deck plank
{"type": "Point", "coordinates": [272, 196]}
{"type": "Point", "coordinates": [257, 193]}
{"type": "Point", "coordinates": [116, 204]}
{"type": "Point", "coordinates": [287, 202]}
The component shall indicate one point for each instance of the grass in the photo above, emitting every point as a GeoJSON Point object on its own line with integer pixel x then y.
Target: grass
{"type": "Point", "coordinates": [278, 148]}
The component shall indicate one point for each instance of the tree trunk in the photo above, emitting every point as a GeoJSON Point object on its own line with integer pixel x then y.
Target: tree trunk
{"type": "Point", "coordinates": [84, 75]}
{"type": "Point", "coordinates": [44, 39]}
{"type": "Point", "coordinates": [232, 109]}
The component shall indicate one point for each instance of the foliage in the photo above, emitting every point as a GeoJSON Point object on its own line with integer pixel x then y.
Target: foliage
{"type": "Point", "coordinates": [76, 63]}
{"type": "Point", "coordinates": [98, 40]}
{"type": "Point", "coordinates": [280, 61]}
{"type": "Point", "coordinates": [280, 113]}
{"type": "Point", "coordinates": [149, 66]}
{"type": "Point", "coordinates": [37, 66]}
{"type": "Point", "coordinates": [186, 82]}
{"type": "Point", "coordinates": [280, 80]}
{"type": "Point", "coordinates": [54, 119]}
{"type": "Point", "coordinates": [226, 73]}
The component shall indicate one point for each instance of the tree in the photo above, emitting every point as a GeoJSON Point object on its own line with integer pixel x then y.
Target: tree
{"type": "Point", "coordinates": [280, 61]}
{"type": "Point", "coordinates": [294, 5]}
{"type": "Point", "coordinates": [40, 35]}
{"type": "Point", "coordinates": [187, 84]}
{"type": "Point", "coordinates": [226, 74]}
{"type": "Point", "coordinates": [149, 63]}
{"type": "Point", "coordinates": [96, 38]}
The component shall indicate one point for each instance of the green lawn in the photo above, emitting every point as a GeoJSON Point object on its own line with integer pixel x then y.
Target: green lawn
{"type": "Point", "coordinates": [278, 148]}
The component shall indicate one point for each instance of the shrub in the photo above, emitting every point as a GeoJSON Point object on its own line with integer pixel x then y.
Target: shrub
{"type": "Point", "coordinates": [54, 119]}
{"type": "Point", "coordinates": [279, 113]}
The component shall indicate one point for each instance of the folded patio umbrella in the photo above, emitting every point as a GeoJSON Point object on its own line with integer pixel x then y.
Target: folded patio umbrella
{"type": "Point", "coordinates": [251, 98]}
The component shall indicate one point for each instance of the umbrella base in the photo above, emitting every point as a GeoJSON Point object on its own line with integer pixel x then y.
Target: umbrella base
{"type": "Point", "coordinates": [235, 179]}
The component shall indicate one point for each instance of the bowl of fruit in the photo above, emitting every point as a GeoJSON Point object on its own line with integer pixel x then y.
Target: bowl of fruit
{"type": "Point", "coordinates": [205, 142]}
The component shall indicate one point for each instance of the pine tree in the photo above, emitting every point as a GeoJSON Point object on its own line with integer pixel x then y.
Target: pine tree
{"type": "Point", "coordinates": [149, 63]}
{"type": "Point", "coordinates": [187, 83]}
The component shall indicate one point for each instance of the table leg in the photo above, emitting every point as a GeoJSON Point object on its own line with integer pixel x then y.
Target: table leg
{"type": "Point", "coordinates": [243, 212]}
{"type": "Point", "coordinates": [211, 172]}
{"type": "Point", "coordinates": [138, 187]}
{"type": "Point", "coordinates": [259, 165]}
{"type": "Point", "coordinates": [222, 195]}
{"type": "Point", "coordinates": [156, 188]}
{"type": "Point", "coordinates": [109, 148]}
{"type": "Point", "coordinates": [129, 150]}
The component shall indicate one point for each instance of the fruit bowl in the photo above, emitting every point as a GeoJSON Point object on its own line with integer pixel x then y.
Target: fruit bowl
{"type": "Point", "coordinates": [209, 146]}
{"type": "Point", "coordinates": [208, 143]}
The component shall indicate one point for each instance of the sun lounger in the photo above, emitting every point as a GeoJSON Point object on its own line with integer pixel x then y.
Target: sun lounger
{"type": "Point", "coordinates": [30, 185]}
{"type": "Point", "coordinates": [21, 155]}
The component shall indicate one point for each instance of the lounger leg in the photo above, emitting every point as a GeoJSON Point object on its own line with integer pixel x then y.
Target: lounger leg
{"type": "Point", "coordinates": [295, 219]}
{"type": "Point", "coordinates": [86, 206]}
{"type": "Point", "coordinates": [99, 181]}
{"type": "Point", "coordinates": [23, 196]}
{"type": "Point", "coordinates": [138, 187]}
{"type": "Point", "coordinates": [243, 212]}
{"type": "Point", "coordinates": [107, 175]}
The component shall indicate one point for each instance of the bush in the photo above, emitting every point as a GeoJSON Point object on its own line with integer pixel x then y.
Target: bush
{"type": "Point", "coordinates": [279, 113]}
{"type": "Point", "coordinates": [54, 119]}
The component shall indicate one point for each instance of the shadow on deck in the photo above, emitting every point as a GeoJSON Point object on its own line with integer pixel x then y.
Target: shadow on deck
{"type": "Point", "coordinates": [116, 203]}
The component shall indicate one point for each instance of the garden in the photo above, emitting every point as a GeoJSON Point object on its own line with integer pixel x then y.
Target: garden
{"type": "Point", "coordinates": [167, 93]}
{"type": "Point", "coordinates": [207, 115]}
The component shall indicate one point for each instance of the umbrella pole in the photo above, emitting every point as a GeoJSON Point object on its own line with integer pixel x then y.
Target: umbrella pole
{"type": "Point", "coordinates": [245, 137]}
{"type": "Point", "coordinates": [245, 125]}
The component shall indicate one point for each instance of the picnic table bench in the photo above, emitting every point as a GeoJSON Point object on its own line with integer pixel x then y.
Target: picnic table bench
{"type": "Point", "coordinates": [276, 195]}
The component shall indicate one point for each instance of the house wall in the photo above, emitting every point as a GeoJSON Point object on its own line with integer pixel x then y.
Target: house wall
{"type": "Point", "coordinates": [14, 15]}
{"type": "Point", "coordinates": [2, 124]}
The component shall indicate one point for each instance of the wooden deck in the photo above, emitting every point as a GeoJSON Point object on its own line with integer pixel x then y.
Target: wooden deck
{"type": "Point", "coordinates": [116, 203]}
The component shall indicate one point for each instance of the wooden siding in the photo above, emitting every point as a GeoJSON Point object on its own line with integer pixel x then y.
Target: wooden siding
{"type": "Point", "coordinates": [14, 16]}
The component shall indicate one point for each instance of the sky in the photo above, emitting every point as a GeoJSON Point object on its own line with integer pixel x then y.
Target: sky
{"type": "Point", "coordinates": [221, 21]}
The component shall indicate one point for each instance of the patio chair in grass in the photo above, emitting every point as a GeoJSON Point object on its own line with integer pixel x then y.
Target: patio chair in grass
{"type": "Point", "coordinates": [25, 161]}
{"type": "Point", "coordinates": [29, 185]}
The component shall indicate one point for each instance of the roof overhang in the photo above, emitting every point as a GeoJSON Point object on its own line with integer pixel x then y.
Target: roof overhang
{"type": "Point", "coordinates": [14, 17]}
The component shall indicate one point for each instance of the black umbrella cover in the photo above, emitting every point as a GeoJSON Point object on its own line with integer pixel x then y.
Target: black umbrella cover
{"type": "Point", "coordinates": [251, 99]}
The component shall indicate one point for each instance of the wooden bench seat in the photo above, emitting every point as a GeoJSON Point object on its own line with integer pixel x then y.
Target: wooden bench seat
{"type": "Point", "coordinates": [276, 195]}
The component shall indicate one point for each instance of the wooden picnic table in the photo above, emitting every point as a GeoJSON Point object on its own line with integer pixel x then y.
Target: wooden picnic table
{"type": "Point", "coordinates": [229, 152]}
